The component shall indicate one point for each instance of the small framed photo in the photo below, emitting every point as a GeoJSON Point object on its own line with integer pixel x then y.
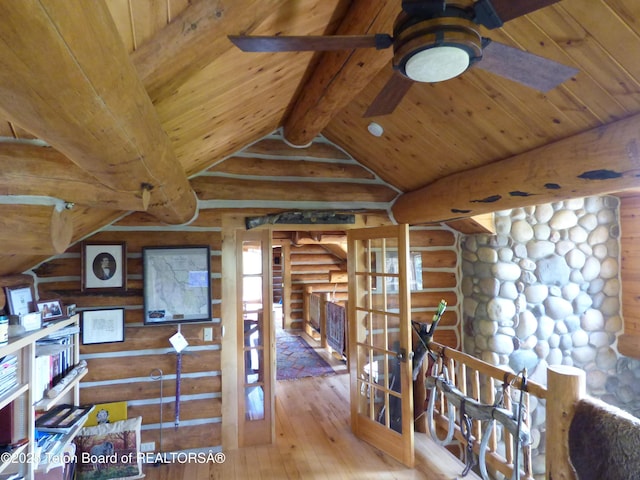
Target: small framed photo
{"type": "Point", "coordinates": [104, 265]}
{"type": "Point", "coordinates": [102, 326]}
{"type": "Point", "coordinates": [19, 299]}
{"type": "Point", "coordinates": [50, 309]}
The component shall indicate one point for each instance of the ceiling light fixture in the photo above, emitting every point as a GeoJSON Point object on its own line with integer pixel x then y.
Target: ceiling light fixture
{"type": "Point", "coordinates": [437, 49]}
{"type": "Point", "coordinates": [375, 129]}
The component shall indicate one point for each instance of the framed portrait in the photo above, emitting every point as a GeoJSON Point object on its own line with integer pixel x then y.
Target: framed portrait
{"type": "Point", "coordinates": [19, 299]}
{"type": "Point", "coordinates": [176, 284]}
{"type": "Point", "coordinates": [51, 309]}
{"type": "Point", "coordinates": [102, 326]}
{"type": "Point", "coordinates": [104, 265]}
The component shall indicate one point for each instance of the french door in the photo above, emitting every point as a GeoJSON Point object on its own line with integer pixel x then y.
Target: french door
{"type": "Point", "coordinates": [380, 340]}
{"type": "Point", "coordinates": [255, 338]}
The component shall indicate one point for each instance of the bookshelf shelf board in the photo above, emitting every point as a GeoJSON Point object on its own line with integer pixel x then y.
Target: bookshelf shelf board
{"type": "Point", "coordinates": [12, 394]}
{"type": "Point", "coordinates": [47, 404]}
{"type": "Point", "coordinates": [20, 341]}
{"type": "Point", "coordinates": [14, 456]}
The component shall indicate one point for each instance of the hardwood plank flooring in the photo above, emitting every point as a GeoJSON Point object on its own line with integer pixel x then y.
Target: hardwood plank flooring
{"type": "Point", "coordinates": [314, 441]}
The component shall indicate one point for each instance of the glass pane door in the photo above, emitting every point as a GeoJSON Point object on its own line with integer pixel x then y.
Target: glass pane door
{"type": "Point", "coordinates": [255, 316]}
{"type": "Point", "coordinates": [379, 302]}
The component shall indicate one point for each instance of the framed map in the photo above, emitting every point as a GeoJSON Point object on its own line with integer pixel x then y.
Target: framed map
{"type": "Point", "coordinates": [177, 284]}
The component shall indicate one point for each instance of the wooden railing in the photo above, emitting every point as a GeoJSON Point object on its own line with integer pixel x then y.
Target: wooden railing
{"type": "Point", "coordinates": [483, 383]}
{"type": "Point", "coordinates": [316, 324]}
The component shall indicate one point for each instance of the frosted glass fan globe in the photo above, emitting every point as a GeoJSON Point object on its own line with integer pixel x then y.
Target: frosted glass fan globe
{"type": "Point", "coordinates": [437, 64]}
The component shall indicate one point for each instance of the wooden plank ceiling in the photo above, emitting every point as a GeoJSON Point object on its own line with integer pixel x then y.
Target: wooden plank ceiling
{"type": "Point", "coordinates": [115, 117]}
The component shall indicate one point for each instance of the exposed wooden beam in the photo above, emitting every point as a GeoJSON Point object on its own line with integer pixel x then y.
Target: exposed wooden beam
{"type": "Point", "coordinates": [47, 231]}
{"type": "Point", "coordinates": [66, 77]}
{"type": "Point", "coordinates": [193, 39]}
{"type": "Point", "coordinates": [341, 75]}
{"type": "Point", "coordinates": [479, 224]}
{"type": "Point", "coordinates": [339, 250]}
{"type": "Point", "coordinates": [596, 162]}
{"type": "Point", "coordinates": [27, 169]}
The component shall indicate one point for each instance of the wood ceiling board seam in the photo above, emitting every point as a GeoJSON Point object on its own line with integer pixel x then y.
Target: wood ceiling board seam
{"type": "Point", "coordinates": [615, 35]}
{"type": "Point", "coordinates": [527, 36]}
{"type": "Point", "coordinates": [378, 152]}
{"type": "Point", "coordinates": [587, 52]}
{"type": "Point", "coordinates": [491, 120]}
{"type": "Point", "coordinates": [627, 11]}
{"type": "Point", "coordinates": [193, 40]}
{"type": "Point", "coordinates": [404, 121]}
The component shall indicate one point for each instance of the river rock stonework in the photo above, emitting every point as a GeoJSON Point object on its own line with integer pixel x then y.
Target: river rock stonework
{"type": "Point", "coordinates": [545, 290]}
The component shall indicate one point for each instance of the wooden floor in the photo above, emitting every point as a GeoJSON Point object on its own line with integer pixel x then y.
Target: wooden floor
{"type": "Point", "coordinates": [314, 441]}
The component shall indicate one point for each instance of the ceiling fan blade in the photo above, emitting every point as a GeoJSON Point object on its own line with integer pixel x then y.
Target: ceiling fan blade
{"type": "Point", "coordinates": [523, 67]}
{"type": "Point", "coordinates": [390, 96]}
{"type": "Point", "coordinates": [310, 43]}
{"type": "Point", "coordinates": [510, 9]}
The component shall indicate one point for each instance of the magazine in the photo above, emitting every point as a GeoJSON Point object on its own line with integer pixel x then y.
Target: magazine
{"type": "Point", "coordinates": [63, 418]}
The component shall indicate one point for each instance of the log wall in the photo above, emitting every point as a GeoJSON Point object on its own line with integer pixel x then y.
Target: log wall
{"type": "Point", "coordinates": [123, 371]}
{"type": "Point", "coordinates": [629, 341]}
{"type": "Point", "coordinates": [311, 266]}
{"type": "Point", "coordinates": [438, 247]}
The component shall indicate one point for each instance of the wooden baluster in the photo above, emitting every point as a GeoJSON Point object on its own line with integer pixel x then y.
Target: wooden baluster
{"type": "Point", "coordinates": [475, 393]}
{"type": "Point", "coordinates": [462, 383]}
{"type": "Point", "coordinates": [451, 365]}
{"type": "Point", "coordinates": [526, 450]}
{"type": "Point", "coordinates": [566, 386]}
{"type": "Point", "coordinates": [507, 437]}
{"type": "Point", "coordinates": [491, 398]}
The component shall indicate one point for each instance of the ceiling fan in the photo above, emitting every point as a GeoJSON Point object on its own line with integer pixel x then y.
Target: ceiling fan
{"type": "Point", "coordinates": [434, 41]}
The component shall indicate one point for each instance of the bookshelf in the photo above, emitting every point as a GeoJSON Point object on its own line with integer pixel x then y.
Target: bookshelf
{"type": "Point", "coordinates": [22, 395]}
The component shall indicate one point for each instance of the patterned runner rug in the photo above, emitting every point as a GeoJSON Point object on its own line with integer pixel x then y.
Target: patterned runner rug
{"type": "Point", "coordinates": [296, 359]}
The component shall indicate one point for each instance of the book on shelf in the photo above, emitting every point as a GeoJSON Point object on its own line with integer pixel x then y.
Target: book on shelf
{"type": "Point", "coordinates": [8, 373]}
{"type": "Point", "coordinates": [54, 357]}
{"type": "Point", "coordinates": [63, 418]}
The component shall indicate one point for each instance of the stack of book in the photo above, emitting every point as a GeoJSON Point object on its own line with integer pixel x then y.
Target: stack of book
{"type": "Point", "coordinates": [8, 373]}
{"type": "Point", "coordinates": [54, 357]}
{"type": "Point", "coordinates": [53, 427]}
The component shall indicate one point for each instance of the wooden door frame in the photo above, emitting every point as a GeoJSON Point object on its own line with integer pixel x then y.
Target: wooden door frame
{"type": "Point", "coordinates": [233, 228]}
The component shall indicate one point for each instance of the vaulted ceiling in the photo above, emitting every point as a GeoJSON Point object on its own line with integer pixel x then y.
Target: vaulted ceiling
{"type": "Point", "coordinates": [116, 107]}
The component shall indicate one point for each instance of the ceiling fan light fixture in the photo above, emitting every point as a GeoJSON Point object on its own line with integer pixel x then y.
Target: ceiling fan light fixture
{"type": "Point", "coordinates": [437, 64]}
{"type": "Point", "coordinates": [436, 49]}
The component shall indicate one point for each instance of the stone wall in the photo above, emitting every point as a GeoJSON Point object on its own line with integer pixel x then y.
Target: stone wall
{"type": "Point", "coordinates": [545, 290]}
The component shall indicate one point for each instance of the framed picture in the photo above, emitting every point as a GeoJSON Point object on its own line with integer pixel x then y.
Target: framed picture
{"type": "Point", "coordinates": [50, 309]}
{"type": "Point", "coordinates": [104, 265]}
{"type": "Point", "coordinates": [19, 299]}
{"type": "Point", "coordinates": [102, 326]}
{"type": "Point", "coordinates": [177, 284]}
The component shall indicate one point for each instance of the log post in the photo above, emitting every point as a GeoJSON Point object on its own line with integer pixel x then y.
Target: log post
{"type": "Point", "coordinates": [306, 310]}
{"type": "Point", "coordinates": [566, 385]}
{"type": "Point", "coordinates": [323, 320]}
